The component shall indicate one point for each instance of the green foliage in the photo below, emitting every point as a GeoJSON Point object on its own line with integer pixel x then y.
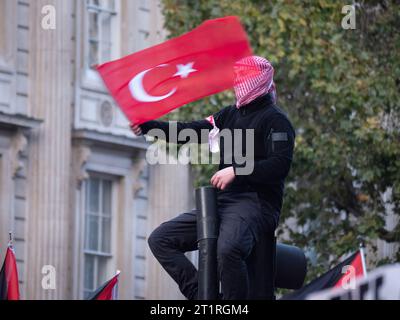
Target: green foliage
{"type": "Point", "coordinates": [341, 90]}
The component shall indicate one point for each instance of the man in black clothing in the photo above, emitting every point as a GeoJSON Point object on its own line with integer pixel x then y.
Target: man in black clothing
{"type": "Point", "coordinates": [248, 205]}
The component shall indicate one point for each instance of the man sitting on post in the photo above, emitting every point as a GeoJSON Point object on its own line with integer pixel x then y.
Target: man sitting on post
{"type": "Point", "coordinates": [248, 205]}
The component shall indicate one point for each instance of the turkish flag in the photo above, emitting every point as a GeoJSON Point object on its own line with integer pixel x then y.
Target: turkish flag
{"type": "Point", "coordinates": [9, 286]}
{"type": "Point", "coordinates": [154, 81]}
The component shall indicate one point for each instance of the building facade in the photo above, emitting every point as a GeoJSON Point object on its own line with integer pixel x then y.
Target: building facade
{"type": "Point", "coordinates": [75, 188]}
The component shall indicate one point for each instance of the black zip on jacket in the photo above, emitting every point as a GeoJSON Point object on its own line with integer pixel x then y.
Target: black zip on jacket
{"type": "Point", "coordinates": [273, 145]}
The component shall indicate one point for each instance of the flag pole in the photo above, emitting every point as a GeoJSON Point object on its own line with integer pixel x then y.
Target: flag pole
{"type": "Point", "coordinates": [115, 291]}
{"type": "Point", "coordinates": [362, 253]}
{"type": "Point", "coordinates": [10, 241]}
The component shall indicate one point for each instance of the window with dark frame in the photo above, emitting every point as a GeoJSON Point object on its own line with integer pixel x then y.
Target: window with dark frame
{"type": "Point", "coordinates": [101, 14]}
{"type": "Point", "coordinates": [97, 237]}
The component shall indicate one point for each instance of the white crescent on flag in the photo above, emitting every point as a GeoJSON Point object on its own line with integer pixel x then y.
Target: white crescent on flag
{"type": "Point", "coordinates": [139, 93]}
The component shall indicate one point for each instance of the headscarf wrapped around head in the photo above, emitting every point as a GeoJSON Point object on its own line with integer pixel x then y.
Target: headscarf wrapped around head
{"type": "Point", "coordinates": [254, 77]}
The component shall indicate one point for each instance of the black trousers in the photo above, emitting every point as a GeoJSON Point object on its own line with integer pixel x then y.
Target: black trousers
{"type": "Point", "coordinates": [244, 249]}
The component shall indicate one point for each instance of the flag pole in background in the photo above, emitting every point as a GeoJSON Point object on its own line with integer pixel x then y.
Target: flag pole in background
{"type": "Point", "coordinates": [116, 287]}
{"type": "Point", "coordinates": [362, 253]}
{"type": "Point", "coordinates": [10, 240]}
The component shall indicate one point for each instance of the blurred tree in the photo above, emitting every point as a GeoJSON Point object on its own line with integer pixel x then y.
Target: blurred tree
{"type": "Point", "coordinates": [341, 90]}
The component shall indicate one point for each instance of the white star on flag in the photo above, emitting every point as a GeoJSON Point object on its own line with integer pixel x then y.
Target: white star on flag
{"type": "Point", "coordinates": [184, 70]}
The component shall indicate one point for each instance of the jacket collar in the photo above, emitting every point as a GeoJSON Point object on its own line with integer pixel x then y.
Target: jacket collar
{"type": "Point", "coordinates": [261, 102]}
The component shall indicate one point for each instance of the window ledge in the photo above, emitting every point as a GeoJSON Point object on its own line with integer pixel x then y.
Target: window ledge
{"type": "Point", "coordinates": [98, 253]}
{"type": "Point", "coordinates": [18, 121]}
{"type": "Point", "coordinates": [117, 142]}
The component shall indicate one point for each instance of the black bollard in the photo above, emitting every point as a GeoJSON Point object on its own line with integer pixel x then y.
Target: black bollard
{"type": "Point", "coordinates": [207, 237]}
{"type": "Point", "coordinates": [291, 267]}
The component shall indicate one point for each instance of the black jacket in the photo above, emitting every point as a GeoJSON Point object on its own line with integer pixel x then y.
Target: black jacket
{"type": "Point", "coordinates": [274, 144]}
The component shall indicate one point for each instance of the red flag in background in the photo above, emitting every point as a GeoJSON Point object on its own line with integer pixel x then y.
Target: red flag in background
{"type": "Point", "coordinates": [357, 269]}
{"type": "Point", "coordinates": [332, 278]}
{"type": "Point", "coordinates": [108, 291]}
{"type": "Point", "coordinates": [154, 81]}
{"type": "Point", "coordinates": [9, 287]}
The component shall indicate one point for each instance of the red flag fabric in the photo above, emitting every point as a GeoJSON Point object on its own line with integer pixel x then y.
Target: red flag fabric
{"type": "Point", "coordinates": [107, 291]}
{"type": "Point", "coordinates": [332, 278]}
{"type": "Point", "coordinates": [154, 81]}
{"type": "Point", "coordinates": [358, 270]}
{"type": "Point", "coordinates": [9, 286]}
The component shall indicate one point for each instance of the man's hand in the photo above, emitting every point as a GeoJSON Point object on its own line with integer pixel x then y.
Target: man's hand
{"type": "Point", "coordinates": [223, 178]}
{"type": "Point", "coordinates": [136, 129]}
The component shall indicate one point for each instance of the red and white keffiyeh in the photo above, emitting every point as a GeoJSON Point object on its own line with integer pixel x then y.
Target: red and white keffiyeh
{"type": "Point", "coordinates": [254, 77]}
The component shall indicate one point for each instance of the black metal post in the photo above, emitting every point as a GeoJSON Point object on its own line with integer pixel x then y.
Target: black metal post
{"type": "Point", "coordinates": [207, 236]}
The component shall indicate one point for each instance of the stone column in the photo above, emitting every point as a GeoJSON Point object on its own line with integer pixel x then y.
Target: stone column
{"type": "Point", "coordinates": [49, 210]}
